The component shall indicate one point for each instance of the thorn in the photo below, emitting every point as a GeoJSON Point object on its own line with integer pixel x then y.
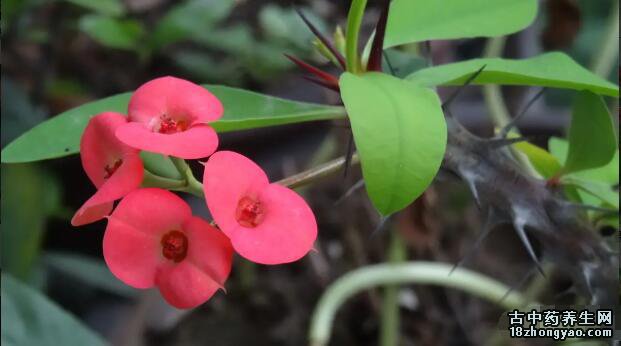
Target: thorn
{"type": "Point", "coordinates": [381, 225]}
{"type": "Point", "coordinates": [496, 143]}
{"type": "Point", "coordinates": [390, 67]}
{"type": "Point", "coordinates": [466, 83]}
{"type": "Point", "coordinates": [521, 232]}
{"type": "Point", "coordinates": [375, 57]}
{"type": "Point", "coordinates": [516, 286]}
{"type": "Point", "coordinates": [328, 78]}
{"type": "Point", "coordinates": [505, 130]}
{"type": "Point", "coordinates": [473, 189]}
{"type": "Point", "coordinates": [487, 229]}
{"type": "Point", "coordinates": [348, 154]}
{"type": "Point", "coordinates": [323, 39]}
{"type": "Point", "coordinates": [350, 191]}
{"type": "Point", "coordinates": [321, 83]}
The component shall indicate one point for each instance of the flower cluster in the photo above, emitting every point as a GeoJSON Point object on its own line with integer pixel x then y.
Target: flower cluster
{"type": "Point", "coordinates": [152, 238]}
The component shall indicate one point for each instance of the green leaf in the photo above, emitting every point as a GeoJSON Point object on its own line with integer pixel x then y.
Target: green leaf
{"type": "Point", "coordinates": [29, 195]}
{"type": "Point", "coordinates": [60, 135]}
{"type": "Point", "coordinates": [555, 70]}
{"type": "Point", "coordinates": [592, 139]}
{"type": "Point", "coordinates": [419, 20]}
{"type": "Point", "coordinates": [89, 271]}
{"type": "Point", "coordinates": [29, 318]}
{"type": "Point", "coordinates": [608, 174]}
{"type": "Point", "coordinates": [189, 18]}
{"type": "Point", "coordinates": [600, 190]}
{"type": "Point", "coordinates": [400, 133]}
{"type": "Point", "coordinates": [105, 7]}
{"type": "Point", "coordinates": [545, 163]}
{"type": "Point", "coordinates": [112, 32]}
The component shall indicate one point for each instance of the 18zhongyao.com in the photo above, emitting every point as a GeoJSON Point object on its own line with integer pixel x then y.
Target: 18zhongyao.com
{"type": "Point", "coordinates": [561, 324]}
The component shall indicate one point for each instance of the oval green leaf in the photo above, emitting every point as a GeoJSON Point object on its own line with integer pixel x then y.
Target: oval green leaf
{"type": "Point", "coordinates": [417, 20]}
{"type": "Point", "coordinates": [555, 70]}
{"type": "Point", "coordinates": [60, 135]}
{"type": "Point", "coordinates": [30, 318]}
{"type": "Point", "coordinates": [592, 139]}
{"type": "Point", "coordinates": [400, 134]}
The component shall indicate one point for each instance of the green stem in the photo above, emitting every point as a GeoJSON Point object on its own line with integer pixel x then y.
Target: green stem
{"type": "Point", "coordinates": [151, 180]}
{"type": "Point", "coordinates": [407, 273]}
{"type": "Point", "coordinates": [390, 323]}
{"type": "Point", "coordinates": [316, 173]}
{"type": "Point", "coordinates": [604, 61]}
{"type": "Point", "coordinates": [354, 20]}
{"type": "Point", "coordinates": [192, 185]}
{"type": "Point", "coordinates": [496, 105]}
{"type": "Point", "coordinates": [491, 92]}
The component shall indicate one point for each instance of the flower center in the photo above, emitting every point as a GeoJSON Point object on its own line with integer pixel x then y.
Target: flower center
{"type": "Point", "coordinates": [174, 246]}
{"type": "Point", "coordinates": [249, 213]}
{"type": "Point", "coordinates": [169, 125]}
{"type": "Point", "coordinates": [111, 168]}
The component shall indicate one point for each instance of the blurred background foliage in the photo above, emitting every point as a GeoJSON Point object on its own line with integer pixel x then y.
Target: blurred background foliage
{"type": "Point", "coordinates": [57, 54]}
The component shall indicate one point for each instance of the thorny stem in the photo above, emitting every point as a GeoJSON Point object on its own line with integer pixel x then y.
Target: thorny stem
{"type": "Point", "coordinates": [192, 185]}
{"type": "Point", "coordinates": [354, 19]}
{"type": "Point", "coordinates": [417, 272]}
{"type": "Point", "coordinates": [317, 172]}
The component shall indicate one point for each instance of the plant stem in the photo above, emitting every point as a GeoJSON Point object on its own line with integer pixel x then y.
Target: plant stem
{"type": "Point", "coordinates": [354, 20]}
{"type": "Point", "coordinates": [390, 323]}
{"type": "Point", "coordinates": [317, 172]}
{"type": "Point", "coordinates": [418, 272]}
{"type": "Point", "coordinates": [152, 180]}
{"type": "Point", "coordinates": [192, 185]}
{"type": "Point", "coordinates": [492, 95]}
{"type": "Point", "coordinates": [604, 61]}
{"type": "Point", "coordinates": [491, 92]}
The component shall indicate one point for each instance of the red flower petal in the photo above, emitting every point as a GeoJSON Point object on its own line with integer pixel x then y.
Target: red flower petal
{"type": "Point", "coordinates": [126, 178]}
{"type": "Point", "coordinates": [184, 285]}
{"type": "Point", "coordinates": [210, 250]}
{"type": "Point", "coordinates": [207, 266]}
{"type": "Point", "coordinates": [196, 142]}
{"type": "Point", "coordinates": [285, 227]}
{"type": "Point", "coordinates": [132, 241]}
{"type": "Point", "coordinates": [153, 210]}
{"type": "Point", "coordinates": [99, 146]}
{"type": "Point", "coordinates": [132, 254]}
{"type": "Point", "coordinates": [229, 176]}
{"type": "Point", "coordinates": [286, 233]}
{"type": "Point", "coordinates": [89, 213]}
{"type": "Point", "coordinates": [173, 97]}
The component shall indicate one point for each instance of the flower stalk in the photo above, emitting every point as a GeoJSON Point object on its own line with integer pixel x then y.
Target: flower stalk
{"type": "Point", "coordinates": [417, 272]}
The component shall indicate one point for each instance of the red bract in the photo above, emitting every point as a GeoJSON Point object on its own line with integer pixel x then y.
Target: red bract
{"type": "Point", "coordinates": [169, 116]}
{"type": "Point", "coordinates": [152, 239]}
{"type": "Point", "coordinates": [112, 166]}
{"type": "Point", "coordinates": [267, 223]}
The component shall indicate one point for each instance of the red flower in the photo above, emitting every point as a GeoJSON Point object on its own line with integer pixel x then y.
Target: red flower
{"type": "Point", "coordinates": [267, 223]}
{"type": "Point", "coordinates": [169, 116]}
{"type": "Point", "coordinates": [152, 239]}
{"type": "Point", "coordinates": [113, 167]}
